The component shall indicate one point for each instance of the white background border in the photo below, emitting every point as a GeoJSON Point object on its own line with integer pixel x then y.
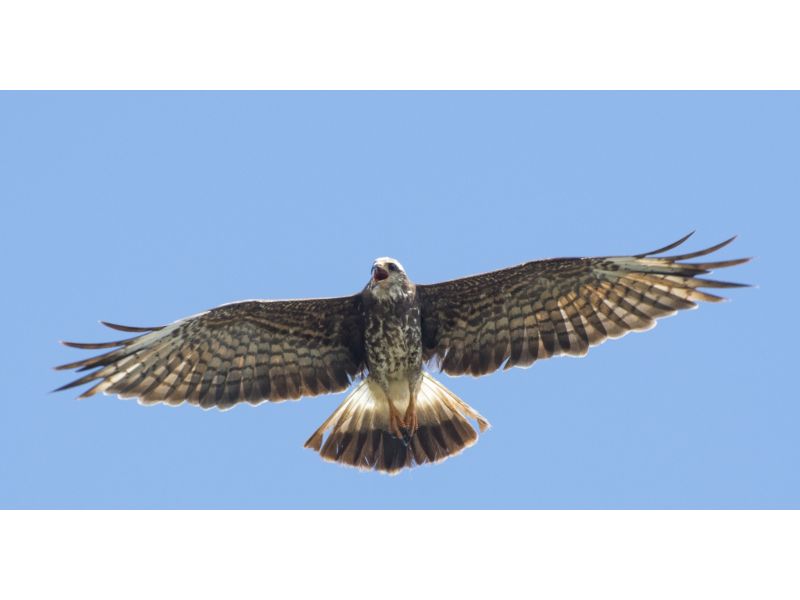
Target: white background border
{"type": "Point", "coordinates": [430, 44]}
{"type": "Point", "coordinates": [400, 554]}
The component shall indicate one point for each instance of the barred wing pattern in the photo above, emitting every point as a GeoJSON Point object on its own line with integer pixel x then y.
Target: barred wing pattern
{"type": "Point", "coordinates": [515, 316]}
{"type": "Point", "coordinates": [246, 351]}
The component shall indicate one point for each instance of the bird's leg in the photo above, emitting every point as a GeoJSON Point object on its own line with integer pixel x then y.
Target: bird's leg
{"type": "Point", "coordinates": [410, 418]}
{"type": "Point", "coordinates": [396, 424]}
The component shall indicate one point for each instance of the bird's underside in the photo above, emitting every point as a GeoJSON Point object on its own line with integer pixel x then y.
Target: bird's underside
{"type": "Point", "coordinates": [397, 416]}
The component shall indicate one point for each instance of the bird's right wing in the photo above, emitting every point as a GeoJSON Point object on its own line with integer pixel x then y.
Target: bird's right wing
{"type": "Point", "coordinates": [543, 308]}
{"type": "Point", "coordinates": [246, 351]}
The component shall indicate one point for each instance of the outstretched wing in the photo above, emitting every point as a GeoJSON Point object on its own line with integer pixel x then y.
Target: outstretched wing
{"type": "Point", "coordinates": [247, 351]}
{"type": "Point", "coordinates": [539, 309]}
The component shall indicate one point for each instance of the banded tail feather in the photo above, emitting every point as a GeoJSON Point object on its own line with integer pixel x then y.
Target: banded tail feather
{"type": "Point", "coordinates": [360, 437]}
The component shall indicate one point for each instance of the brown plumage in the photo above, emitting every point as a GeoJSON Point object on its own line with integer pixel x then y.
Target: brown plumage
{"type": "Point", "coordinates": [398, 416]}
{"type": "Point", "coordinates": [248, 351]}
{"type": "Point", "coordinates": [543, 308]}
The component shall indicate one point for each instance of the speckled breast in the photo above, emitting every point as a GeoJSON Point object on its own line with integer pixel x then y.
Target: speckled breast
{"type": "Point", "coordinates": [393, 339]}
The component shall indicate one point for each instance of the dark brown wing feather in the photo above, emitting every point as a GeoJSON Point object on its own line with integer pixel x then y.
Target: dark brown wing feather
{"type": "Point", "coordinates": [248, 351]}
{"type": "Point", "coordinates": [539, 309]}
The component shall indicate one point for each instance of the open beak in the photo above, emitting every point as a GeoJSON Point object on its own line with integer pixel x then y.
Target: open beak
{"type": "Point", "coordinates": [379, 273]}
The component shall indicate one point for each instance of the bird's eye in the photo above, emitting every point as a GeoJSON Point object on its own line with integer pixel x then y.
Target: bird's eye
{"type": "Point", "coordinates": [392, 267]}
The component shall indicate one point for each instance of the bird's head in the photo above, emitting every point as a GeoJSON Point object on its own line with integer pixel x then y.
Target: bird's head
{"type": "Point", "coordinates": [387, 274]}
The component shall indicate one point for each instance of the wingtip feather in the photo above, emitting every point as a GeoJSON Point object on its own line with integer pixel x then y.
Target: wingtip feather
{"type": "Point", "coordinates": [67, 386]}
{"type": "Point", "coordinates": [667, 247]}
{"type": "Point", "coordinates": [704, 251]}
{"type": "Point", "coordinates": [93, 346]}
{"type": "Point", "coordinates": [720, 264]}
{"type": "Point", "coordinates": [128, 328]}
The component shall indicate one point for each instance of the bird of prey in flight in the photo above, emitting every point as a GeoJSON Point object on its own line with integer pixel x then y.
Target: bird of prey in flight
{"type": "Point", "coordinates": [398, 415]}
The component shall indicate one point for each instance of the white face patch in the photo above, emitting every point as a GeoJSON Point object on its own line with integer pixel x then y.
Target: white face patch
{"type": "Point", "coordinates": [392, 283]}
{"type": "Point", "coordinates": [384, 261]}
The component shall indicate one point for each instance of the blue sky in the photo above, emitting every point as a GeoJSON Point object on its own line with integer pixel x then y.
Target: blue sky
{"type": "Point", "coordinates": [142, 208]}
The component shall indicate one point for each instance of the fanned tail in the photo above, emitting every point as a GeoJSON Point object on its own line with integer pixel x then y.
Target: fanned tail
{"type": "Point", "coordinates": [360, 435]}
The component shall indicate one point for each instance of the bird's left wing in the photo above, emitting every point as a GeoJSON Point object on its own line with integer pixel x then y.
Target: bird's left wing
{"type": "Point", "coordinates": [539, 309]}
{"type": "Point", "coordinates": [246, 351]}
